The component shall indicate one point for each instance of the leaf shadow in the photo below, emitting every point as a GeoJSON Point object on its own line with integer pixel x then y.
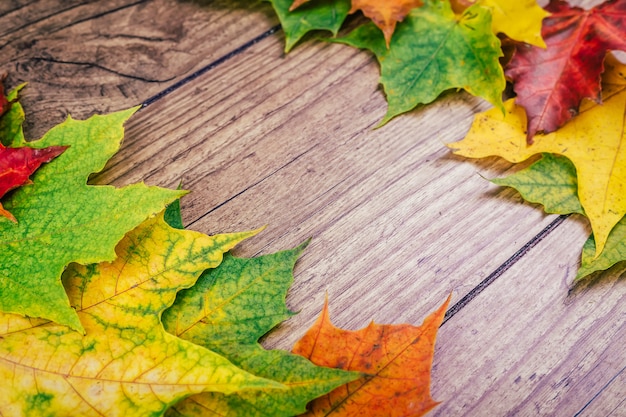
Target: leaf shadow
{"type": "Point", "coordinates": [599, 280]}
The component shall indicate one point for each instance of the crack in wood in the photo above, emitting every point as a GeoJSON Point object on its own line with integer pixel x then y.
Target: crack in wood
{"type": "Point", "coordinates": [98, 66]}
{"type": "Point", "coordinates": [101, 14]}
{"type": "Point", "coordinates": [209, 67]}
{"type": "Point", "coordinates": [503, 268]}
{"type": "Point", "coordinates": [600, 391]}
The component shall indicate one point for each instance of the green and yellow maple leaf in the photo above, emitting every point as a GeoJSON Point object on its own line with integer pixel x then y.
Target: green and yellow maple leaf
{"type": "Point", "coordinates": [433, 51]}
{"type": "Point", "coordinates": [319, 15]}
{"type": "Point", "coordinates": [227, 311]}
{"type": "Point", "coordinates": [552, 182]}
{"type": "Point", "coordinates": [63, 220]}
{"type": "Point", "coordinates": [126, 364]}
{"type": "Point", "coordinates": [593, 141]}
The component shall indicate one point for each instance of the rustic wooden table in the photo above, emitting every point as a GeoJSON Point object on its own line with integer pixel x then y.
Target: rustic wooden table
{"type": "Point", "coordinates": [397, 221]}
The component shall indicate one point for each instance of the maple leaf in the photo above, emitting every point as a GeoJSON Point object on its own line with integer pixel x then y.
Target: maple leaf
{"type": "Point", "coordinates": [551, 182]}
{"type": "Point", "coordinates": [17, 165]}
{"type": "Point", "coordinates": [385, 14]}
{"type": "Point", "coordinates": [319, 15]}
{"type": "Point", "coordinates": [551, 83]}
{"type": "Point", "coordinates": [227, 311]}
{"type": "Point", "coordinates": [126, 364]}
{"type": "Point", "coordinates": [433, 51]}
{"type": "Point", "coordinates": [520, 20]}
{"type": "Point", "coordinates": [397, 359]}
{"type": "Point", "coordinates": [64, 220]}
{"type": "Point", "coordinates": [593, 141]}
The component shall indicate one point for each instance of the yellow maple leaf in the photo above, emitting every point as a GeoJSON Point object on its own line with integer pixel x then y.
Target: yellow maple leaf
{"type": "Point", "coordinates": [595, 141]}
{"type": "Point", "coordinates": [384, 13]}
{"type": "Point", "coordinates": [125, 364]}
{"type": "Point", "coordinates": [520, 20]}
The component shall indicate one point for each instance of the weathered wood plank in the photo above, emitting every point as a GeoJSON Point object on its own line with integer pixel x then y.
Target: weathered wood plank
{"type": "Point", "coordinates": [529, 345]}
{"type": "Point", "coordinates": [610, 400]}
{"type": "Point", "coordinates": [83, 57]}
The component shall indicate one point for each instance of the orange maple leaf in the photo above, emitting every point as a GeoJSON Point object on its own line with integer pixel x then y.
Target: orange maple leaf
{"type": "Point", "coordinates": [397, 361]}
{"type": "Point", "coordinates": [384, 13]}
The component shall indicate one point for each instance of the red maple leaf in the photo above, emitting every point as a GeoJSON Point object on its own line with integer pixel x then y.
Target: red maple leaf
{"type": "Point", "coordinates": [4, 103]}
{"type": "Point", "coordinates": [551, 83]}
{"type": "Point", "coordinates": [17, 164]}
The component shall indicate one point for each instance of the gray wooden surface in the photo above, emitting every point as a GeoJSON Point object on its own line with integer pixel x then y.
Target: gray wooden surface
{"type": "Point", "coordinates": [397, 222]}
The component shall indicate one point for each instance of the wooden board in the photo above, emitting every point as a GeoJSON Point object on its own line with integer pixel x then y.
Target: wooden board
{"type": "Point", "coordinates": [397, 222]}
{"type": "Point", "coordinates": [548, 349]}
{"type": "Point", "coordinates": [83, 57]}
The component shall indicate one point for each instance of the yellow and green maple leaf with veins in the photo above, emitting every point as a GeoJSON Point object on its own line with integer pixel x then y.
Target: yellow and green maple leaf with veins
{"type": "Point", "coordinates": [227, 311]}
{"type": "Point", "coordinates": [126, 364]}
{"type": "Point", "coordinates": [61, 219]}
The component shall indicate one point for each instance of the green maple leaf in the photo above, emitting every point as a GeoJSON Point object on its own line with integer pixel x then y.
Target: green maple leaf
{"type": "Point", "coordinates": [126, 364]}
{"type": "Point", "coordinates": [61, 219]}
{"type": "Point", "coordinates": [227, 311]}
{"type": "Point", "coordinates": [434, 50]}
{"type": "Point", "coordinates": [551, 182]}
{"type": "Point", "coordinates": [319, 15]}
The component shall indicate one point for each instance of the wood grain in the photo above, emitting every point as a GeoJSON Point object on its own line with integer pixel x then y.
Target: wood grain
{"type": "Point", "coordinates": [548, 349]}
{"type": "Point", "coordinates": [396, 221]}
{"type": "Point", "coordinates": [85, 57]}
